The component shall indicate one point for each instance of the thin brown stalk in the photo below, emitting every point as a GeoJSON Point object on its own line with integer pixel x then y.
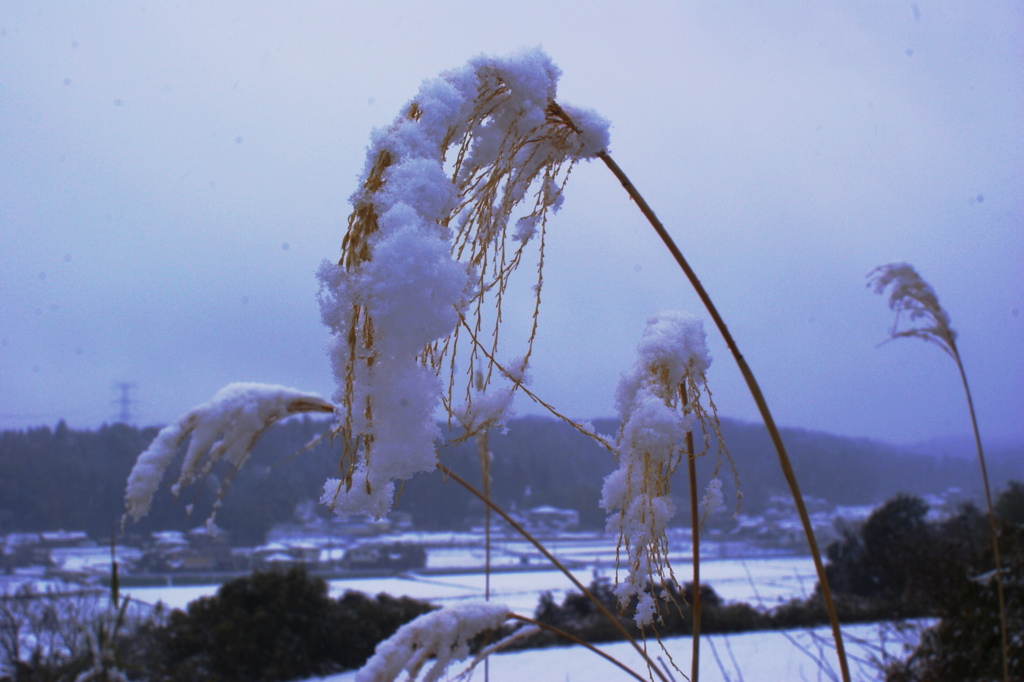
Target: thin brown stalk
{"type": "Point", "coordinates": [991, 516]}
{"type": "Point", "coordinates": [483, 451]}
{"type": "Point", "coordinates": [695, 531]}
{"type": "Point", "coordinates": [911, 297]}
{"type": "Point", "coordinates": [557, 564]}
{"type": "Point", "coordinates": [576, 640]}
{"type": "Point", "coordinates": [759, 399]}
{"type": "Point", "coordinates": [485, 476]}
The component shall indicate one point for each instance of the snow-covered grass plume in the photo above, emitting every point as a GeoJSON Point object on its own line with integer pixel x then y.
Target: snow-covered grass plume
{"type": "Point", "coordinates": [672, 354]}
{"type": "Point", "coordinates": [223, 429]}
{"type": "Point", "coordinates": [442, 635]}
{"type": "Point", "coordinates": [428, 254]}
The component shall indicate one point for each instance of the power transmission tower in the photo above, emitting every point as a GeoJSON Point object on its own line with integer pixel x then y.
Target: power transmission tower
{"type": "Point", "coordinates": [124, 402]}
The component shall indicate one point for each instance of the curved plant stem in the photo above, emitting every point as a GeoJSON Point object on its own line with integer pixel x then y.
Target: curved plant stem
{"type": "Point", "coordinates": [557, 564]}
{"type": "Point", "coordinates": [576, 640]}
{"type": "Point", "coordinates": [991, 514]}
{"type": "Point", "coordinates": [695, 666]}
{"type": "Point", "coordinates": [485, 473]}
{"type": "Point", "coordinates": [695, 533]}
{"type": "Point", "coordinates": [755, 391]}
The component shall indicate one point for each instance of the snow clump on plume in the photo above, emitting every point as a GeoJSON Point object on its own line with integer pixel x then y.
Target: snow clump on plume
{"type": "Point", "coordinates": [487, 410]}
{"type": "Point", "coordinates": [424, 246]}
{"type": "Point", "coordinates": [223, 429]}
{"type": "Point", "coordinates": [713, 499]}
{"type": "Point", "coordinates": [655, 420]}
{"type": "Point", "coordinates": [443, 635]}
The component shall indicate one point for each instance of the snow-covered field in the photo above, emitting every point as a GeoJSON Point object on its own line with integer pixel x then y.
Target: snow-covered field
{"type": "Point", "coordinates": [750, 657]}
{"type": "Point", "coordinates": [795, 655]}
{"type": "Point", "coordinates": [757, 581]}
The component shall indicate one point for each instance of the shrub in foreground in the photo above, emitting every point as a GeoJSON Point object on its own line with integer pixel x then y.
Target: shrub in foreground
{"type": "Point", "coordinates": [964, 644]}
{"type": "Point", "coordinates": [274, 626]}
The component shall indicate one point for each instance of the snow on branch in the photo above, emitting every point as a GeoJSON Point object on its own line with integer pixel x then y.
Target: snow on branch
{"type": "Point", "coordinates": [452, 193]}
{"type": "Point", "coordinates": [226, 428]}
{"type": "Point", "coordinates": [443, 635]}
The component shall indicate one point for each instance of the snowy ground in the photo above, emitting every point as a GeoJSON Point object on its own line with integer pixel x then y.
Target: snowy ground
{"type": "Point", "coordinates": [750, 657]}
{"type": "Point", "coordinates": [757, 581]}
{"type": "Point", "coordinates": [796, 655]}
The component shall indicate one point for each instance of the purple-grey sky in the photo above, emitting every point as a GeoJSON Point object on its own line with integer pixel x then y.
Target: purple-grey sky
{"type": "Point", "coordinates": [171, 175]}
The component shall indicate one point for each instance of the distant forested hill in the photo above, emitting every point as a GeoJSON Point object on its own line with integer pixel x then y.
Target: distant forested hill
{"type": "Point", "coordinates": [71, 479]}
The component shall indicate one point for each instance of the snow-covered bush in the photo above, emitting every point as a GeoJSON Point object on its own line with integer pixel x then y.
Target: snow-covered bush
{"type": "Point", "coordinates": [75, 635]}
{"type": "Point", "coordinates": [272, 627]}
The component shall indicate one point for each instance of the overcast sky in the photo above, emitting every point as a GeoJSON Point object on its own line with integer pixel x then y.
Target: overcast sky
{"type": "Point", "coordinates": [171, 175]}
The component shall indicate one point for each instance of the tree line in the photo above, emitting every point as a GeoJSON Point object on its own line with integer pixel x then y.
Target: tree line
{"type": "Point", "coordinates": [63, 478]}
